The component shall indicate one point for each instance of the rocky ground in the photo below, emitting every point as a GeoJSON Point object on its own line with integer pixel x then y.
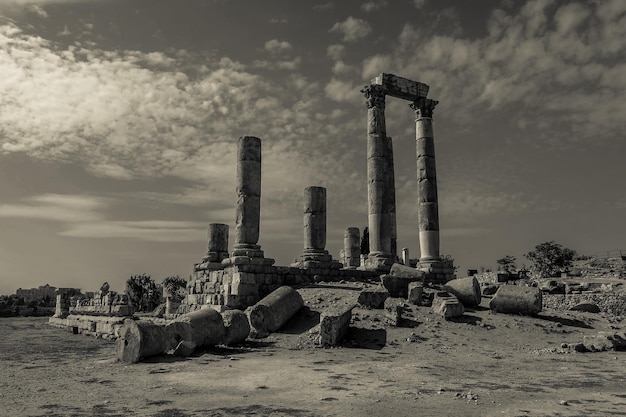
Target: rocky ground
{"type": "Point", "coordinates": [481, 364]}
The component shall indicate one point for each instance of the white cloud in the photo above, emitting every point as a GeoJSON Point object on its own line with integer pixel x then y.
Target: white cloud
{"type": "Point", "coordinates": [419, 3]}
{"type": "Point", "coordinates": [276, 47]}
{"type": "Point", "coordinates": [352, 29]}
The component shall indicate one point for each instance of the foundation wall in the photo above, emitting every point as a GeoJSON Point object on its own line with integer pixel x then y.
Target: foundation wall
{"type": "Point", "coordinates": [241, 286]}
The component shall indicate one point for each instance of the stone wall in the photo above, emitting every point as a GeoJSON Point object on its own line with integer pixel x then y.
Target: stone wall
{"type": "Point", "coordinates": [613, 303]}
{"type": "Point", "coordinates": [240, 286]}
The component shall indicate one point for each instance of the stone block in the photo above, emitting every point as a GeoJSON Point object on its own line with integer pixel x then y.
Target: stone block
{"type": "Point", "coordinates": [373, 297]}
{"type": "Point", "coordinates": [467, 290]}
{"type": "Point", "coordinates": [334, 324]}
{"type": "Point", "coordinates": [402, 271]}
{"type": "Point", "coordinates": [605, 341]}
{"type": "Point", "coordinates": [393, 311]}
{"type": "Point", "coordinates": [237, 327]}
{"type": "Point", "coordinates": [415, 292]}
{"type": "Point", "coordinates": [397, 286]}
{"type": "Point", "coordinates": [447, 305]}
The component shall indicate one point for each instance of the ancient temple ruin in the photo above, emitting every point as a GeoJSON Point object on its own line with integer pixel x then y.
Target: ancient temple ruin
{"type": "Point", "coordinates": [241, 278]}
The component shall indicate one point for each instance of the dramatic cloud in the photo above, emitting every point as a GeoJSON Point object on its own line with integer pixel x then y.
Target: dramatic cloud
{"type": "Point", "coordinates": [554, 65]}
{"type": "Point", "coordinates": [352, 29]}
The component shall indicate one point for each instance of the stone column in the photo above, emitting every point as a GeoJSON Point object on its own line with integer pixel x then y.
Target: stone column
{"type": "Point", "coordinates": [352, 247]}
{"type": "Point", "coordinates": [405, 257]}
{"type": "Point", "coordinates": [428, 212]}
{"type": "Point", "coordinates": [217, 248]}
{"type": "Point", "coordinates": [315, 255]}
{"type": "Point", "coordinates": [391, 199]}
{"type": "Point", "coordinates": [314, 219]}
{"type": "Point", "coordinates": [248, 198]}
{"type": "Point", "coordinates": [379, 220]}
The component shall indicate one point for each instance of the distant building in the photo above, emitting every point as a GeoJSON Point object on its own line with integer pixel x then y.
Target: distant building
{"type": "Point", "coordinates": [36, 294]}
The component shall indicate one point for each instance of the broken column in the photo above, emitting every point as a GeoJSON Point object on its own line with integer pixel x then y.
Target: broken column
{"type": "Point", "coordinates": [248, 198]}
{"type": "Point", "coordinates": [273, 311]}
{"type": "Point", "coordinates": [379, 218]}
{"type": "Point", "coordinates": [62, 308]}
{"type": "Point", "coordinates": [140, 339]}
{"type": "Point", "coordinates": [217, 242]}
{"type": "Point", "coordinates": [352, 247]}
{"type": "Point", "coordinates": [428, 211]}
{"type": "Point", "coordinates": [315, 255]}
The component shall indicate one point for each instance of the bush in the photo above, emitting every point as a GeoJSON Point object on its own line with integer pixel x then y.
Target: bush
{"type": "Point", "coordinates": [143, 292]}
{"type": "Point", "coordinates": [550, 259]}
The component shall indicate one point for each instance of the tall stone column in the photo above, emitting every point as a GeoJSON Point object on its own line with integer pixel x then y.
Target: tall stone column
{"type": "Point", "coordinates": [217, 248]}
{"type": "Point", "coordinates": [315, 254]}
{"type": "Point", "coordinates": [379, 219]}
{"type": "Point", "coordinates": [352, 247]}
{"type": "Point", "coordinates": [248, 198]}
{"type": "Point", "coordinates": [391, 200]}
{"type": "Point", "coordinates": [428, 212]}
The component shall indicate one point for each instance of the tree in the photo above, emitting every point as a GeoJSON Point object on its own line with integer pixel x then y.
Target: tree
{"type": "Point", "coordinates": [507, 264]}
{"type": "Point", "coordinates": [365, 242]}
{"type": "Point", "coordinates": [550, 259]}
{"type": "Point", "coordinates": [175, 287]}
{"type": "Point", "coordinates": [143, 292]}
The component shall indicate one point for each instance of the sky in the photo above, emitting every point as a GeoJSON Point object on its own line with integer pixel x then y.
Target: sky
{"type": "Point", "coordinates": [119, 121]}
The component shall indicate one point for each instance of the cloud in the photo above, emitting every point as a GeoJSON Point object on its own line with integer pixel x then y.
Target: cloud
{"type": "Point", "coordinates": [419, 3]}
{"type": "Point", "coordinates": [35, 9]}
{"type": "Point", "coordinates": [288, 65]}
{"type": "Point", "coordinates": [338, 90]}
{"type": "Point", "coordinates": [335, 52]}
{"type": "Point", "coordinates": [152, 231]}
{"type": "Point", "coordinates": [551, 65]}
{"type": "Point", "coordinates": [352, 29]}
{"type": "Point", "coordinates": [372, 6]}
{"type": "Point", "coordinates": [57, 207]}
{"type": "Point", "coordinates": [277, 47]}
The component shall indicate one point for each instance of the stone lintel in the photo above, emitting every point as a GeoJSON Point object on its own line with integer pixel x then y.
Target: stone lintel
{"type": "Point", "coordinates": [400, 87]}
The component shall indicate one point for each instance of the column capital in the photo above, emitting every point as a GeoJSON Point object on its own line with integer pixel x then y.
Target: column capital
{"type": "Point", "coordinates": [423, 107]}
{"type": "Point", "coordinates": [374, 96]}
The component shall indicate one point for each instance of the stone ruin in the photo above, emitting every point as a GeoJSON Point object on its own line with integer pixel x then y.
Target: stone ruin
{"type": "Point", "coordinates": [98, 313]}
{"type": "Point", "coordinates": [224, 283]}
{"type": "Point", "coordinates": [243, 277]}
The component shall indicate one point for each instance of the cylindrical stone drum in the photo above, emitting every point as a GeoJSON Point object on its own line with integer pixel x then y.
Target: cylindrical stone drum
{"type": "Point", "coordinates": [200, 328]}
{"type": "Point", "coordinates": [140, 339]}
{"type": "Point", "coordinates": [517, 299]}
{"type": "Point", "coordinates": [217, 237]}
{"type": "Point", "coordinates": [467, 290]}
{"type": "Point", "coordinates": [237, 327]}
{"type": "Point", "coordinates": [273, 311]}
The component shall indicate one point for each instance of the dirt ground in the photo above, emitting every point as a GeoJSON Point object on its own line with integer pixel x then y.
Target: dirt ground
{"type": "Point", "coordinates": [482, 364]}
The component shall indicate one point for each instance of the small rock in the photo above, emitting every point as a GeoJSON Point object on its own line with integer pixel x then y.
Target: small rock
{"type": "Point", "coordinates": [563, 402]}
